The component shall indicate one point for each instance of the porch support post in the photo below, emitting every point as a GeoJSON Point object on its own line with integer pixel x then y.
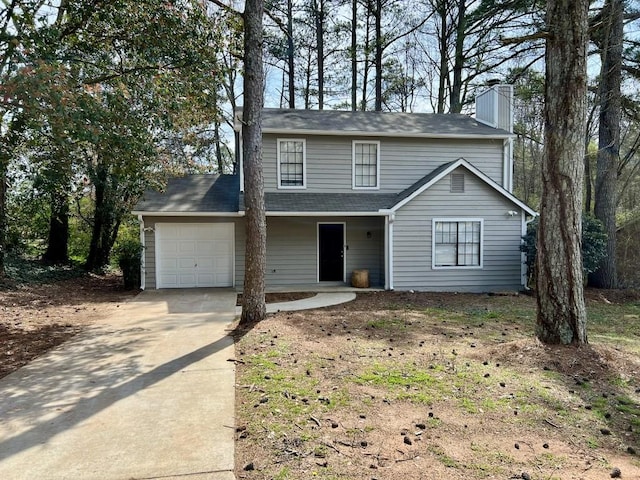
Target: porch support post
{"type": "Point", "coordinates": [388, 251]}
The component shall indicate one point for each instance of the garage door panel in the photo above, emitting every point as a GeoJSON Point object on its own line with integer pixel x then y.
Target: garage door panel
{"type": "Point", "coordinates": [186, 262]}
{"type": "Point", "coordinates": [170, 247]}
{"type": "Point", "coordinates": [194, 255]}
{"type": "Point", "coordinates": [206, 263]}
{"type": "Point", "coordinates": [206, 278]}
{"type": "Point", "coordinates": [206, 248]}
{"type": "Point", "coordinates": [168, 281]}
{"type": "Point", "coordinates": [187, 247]}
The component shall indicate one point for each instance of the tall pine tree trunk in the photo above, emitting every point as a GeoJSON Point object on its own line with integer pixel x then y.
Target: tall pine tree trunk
{"type": "Point", "coordinates": [562, 314]}
{"type": "Point", "coordinates": [443, 71]}
{"type": "Point", "coordinates": [3, 214]}
{"type": "Point", "coordinates": [458, 59]}
{"type": "Point", "coordinates": [609, 139]}
{"type": "Point", "coordinates": [354, 55]}
{"type": "Point", "coordinates": [290, 56]}
{"type": "Point", "coordinates": [377, 16]}
{"type": "Point", "coordinates": [253, 302]}
{"type": "Point", "coordinates": [319, 18]}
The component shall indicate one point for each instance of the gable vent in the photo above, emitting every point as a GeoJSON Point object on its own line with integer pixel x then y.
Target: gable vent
{"type": "Point", "coordinates": [457, 183]}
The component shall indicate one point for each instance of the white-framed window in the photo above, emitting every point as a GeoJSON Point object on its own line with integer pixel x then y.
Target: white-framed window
{"type": "Point", "coordinates": [457, 242]}
{"type": "Point", "coordinates": [292, 163]}
{"type": "Point", "coordinates": [366, 164]}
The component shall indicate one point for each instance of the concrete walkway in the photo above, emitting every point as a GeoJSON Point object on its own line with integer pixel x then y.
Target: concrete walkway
{"type": "Point", "coordinates": [147, 394]}
{"type": "Point", "coordinates": [318, 301]}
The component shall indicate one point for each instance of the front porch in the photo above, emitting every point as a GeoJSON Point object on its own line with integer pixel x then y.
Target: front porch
{"type": "Point", "coordinates": [321, 253]}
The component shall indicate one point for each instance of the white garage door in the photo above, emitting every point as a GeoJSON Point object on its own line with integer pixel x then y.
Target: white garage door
{"type": "Point", "coordinates": [194, 255]}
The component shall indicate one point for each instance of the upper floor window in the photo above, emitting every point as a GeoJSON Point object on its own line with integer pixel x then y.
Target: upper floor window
{"type": "Point", "coordinates": [366, 164]}
{"type": "Point", "coordinates": [292, 163]}
{"type": "Point", "coordinates": [457, 243]}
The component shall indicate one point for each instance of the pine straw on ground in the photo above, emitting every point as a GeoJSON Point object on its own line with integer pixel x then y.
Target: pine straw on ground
{"type": "Point", "coordinates": [36, 318]}
{"type": "Point", "coordinates": [434, 386]}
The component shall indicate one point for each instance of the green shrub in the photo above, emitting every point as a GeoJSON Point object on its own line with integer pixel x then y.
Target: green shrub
{"type": "Point", "coordinates": [129, 254]}
{"type": "Point", "coordinates": [594, 244]}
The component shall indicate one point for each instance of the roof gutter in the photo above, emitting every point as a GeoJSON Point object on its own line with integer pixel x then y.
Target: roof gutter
{"type": "Point", "coordinates": [150, 213]}
{"type": "Point", "coordinates": [357, 133]}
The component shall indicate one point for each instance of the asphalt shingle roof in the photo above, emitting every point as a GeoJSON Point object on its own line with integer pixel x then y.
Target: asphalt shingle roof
{"type": "Point", "coordinates": [326, 202]}
{"type": "Point", "coordinates": [375, 123]}
{"type": "Point", "coordinates": [194, 193]}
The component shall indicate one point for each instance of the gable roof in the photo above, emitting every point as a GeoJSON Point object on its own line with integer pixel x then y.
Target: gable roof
{"type": "Point", "coordinates": [193, 194]}
{"type": "Point", "coordinates": [378, 124]}
{"type": "Point", "coordinates": [442, 171]}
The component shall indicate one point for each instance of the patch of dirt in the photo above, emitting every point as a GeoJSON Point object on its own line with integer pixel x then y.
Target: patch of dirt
{"type": "Point", "coordinates": [433, 386]}
{"type": "Point", "coordinates": [278, 297]}
{"type": "Point", "coordinates": [37, 318]}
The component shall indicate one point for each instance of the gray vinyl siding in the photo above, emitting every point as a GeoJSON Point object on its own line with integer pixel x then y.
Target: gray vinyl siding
{"type": "Point", "coordinates": [149, 269]}
{"type": "Point", "coordinates": [412, 237]}
{"type": "Point", "coordinates": [150, 243]}
{"type": "Point", "coordinates": [403, 161]}
{"type": "Point", "coordinates": [292, 249]}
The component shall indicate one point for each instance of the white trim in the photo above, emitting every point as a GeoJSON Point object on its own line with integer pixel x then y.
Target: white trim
{"type": "Point", "coordinates": [304, 164]}
{"type": "Point", "coordinates": [344, 249]}
{"type": "Point", "coordinates": [142, 254]}
{"type": "Point", "coordinates": [433, 243]}
{"type": "Point", "coordinates": [353, 163]}
{"type": "Point", "coordinates": [461, 162]}
{"type": "Point", "coordinates": [360, 133]}
{"type": "Point", "coordinates": [187, 214]}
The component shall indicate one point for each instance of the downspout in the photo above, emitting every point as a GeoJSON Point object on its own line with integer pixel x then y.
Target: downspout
{"type": "Point", "coordinates": [523, 256]}
{"type": "Point", "coordinates": [241, 163]}
{"type": "Point", "coordinates": [392, 218]}
{"type": "Point", "coordinates": [507, 164]}
{"type": "Point", "coordinates": [388, 240]}
{"type": "Point", "coordinates": [143, 254]}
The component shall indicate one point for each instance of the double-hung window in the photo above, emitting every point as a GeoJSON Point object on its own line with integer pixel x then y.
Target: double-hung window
{"type": "Point", "coordinates": [457, 243]}
{"type": "Point", "coordinates": [292, 163]}
{"type": "Point", "coordinates": [366, 164]}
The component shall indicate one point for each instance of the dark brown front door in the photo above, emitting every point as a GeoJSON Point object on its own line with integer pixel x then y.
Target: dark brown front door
{"type": "Point", "coordinates": [331, 251]}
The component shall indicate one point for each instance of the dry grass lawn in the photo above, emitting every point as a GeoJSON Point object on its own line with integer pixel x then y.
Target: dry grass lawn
{"type": "Point", "coordinates": [438, 386]}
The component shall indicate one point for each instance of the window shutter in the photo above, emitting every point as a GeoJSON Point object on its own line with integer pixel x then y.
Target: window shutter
{"type": "Point", "coordinates": [457, 183]}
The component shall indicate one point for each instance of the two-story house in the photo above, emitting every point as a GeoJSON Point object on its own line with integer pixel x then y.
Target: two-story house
{"type": "Point", "coordinates": [419, 201]}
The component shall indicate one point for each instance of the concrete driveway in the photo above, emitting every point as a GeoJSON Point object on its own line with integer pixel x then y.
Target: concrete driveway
{"type": "Point", "coordinates": [147, 394]}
